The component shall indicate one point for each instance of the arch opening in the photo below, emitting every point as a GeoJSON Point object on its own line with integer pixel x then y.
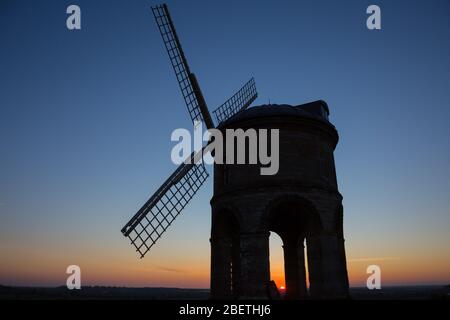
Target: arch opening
{"type": "Point", "coordinates": [294, 221]}
{"type": "Point", "coordinates": [276, 261]}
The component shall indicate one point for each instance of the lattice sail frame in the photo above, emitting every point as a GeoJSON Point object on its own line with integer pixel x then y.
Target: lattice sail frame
{"type": "Point", "coordinates": [238, 102]}
{"type": "Point", "coordinates": [189, 87]}
{"type": "Point", "coordinates": [158, 213]}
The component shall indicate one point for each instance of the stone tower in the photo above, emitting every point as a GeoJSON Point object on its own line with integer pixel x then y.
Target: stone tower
{"type": "Point", "coordinates": [301, 203]}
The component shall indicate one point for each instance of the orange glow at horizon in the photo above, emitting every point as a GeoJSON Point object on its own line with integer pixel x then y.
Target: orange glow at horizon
{"type": "Point", "coordinates": [29, 266]}
{"type": "Point", "coordinates": [51, 272]}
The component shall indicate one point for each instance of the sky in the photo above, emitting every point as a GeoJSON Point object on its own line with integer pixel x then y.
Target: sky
{"type": "Point", "coordinates": [86, 118]}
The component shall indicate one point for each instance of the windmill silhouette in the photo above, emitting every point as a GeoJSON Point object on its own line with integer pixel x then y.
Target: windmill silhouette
{"type": "Point", "coordinates": [158, 213]}
{"type": "Point", "coordinates": [301, 202]}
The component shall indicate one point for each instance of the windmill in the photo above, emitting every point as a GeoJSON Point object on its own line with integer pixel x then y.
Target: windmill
{"type": "Point", "coordinates": [158, 213]}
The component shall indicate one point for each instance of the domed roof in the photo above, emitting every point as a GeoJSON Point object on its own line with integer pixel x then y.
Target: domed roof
{"type": "Point", "coordinates": [317, 110]}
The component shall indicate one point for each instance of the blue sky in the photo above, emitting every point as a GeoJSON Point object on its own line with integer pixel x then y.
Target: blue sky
{"type": "Point", "coordinates": [86, 118]}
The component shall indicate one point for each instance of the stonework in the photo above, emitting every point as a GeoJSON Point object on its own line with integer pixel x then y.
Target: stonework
{"type": "Point", "coordinates": [301, 203]}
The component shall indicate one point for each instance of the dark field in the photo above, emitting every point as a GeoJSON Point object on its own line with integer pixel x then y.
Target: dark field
{"type": "Point", "coordinates": [387, 293]}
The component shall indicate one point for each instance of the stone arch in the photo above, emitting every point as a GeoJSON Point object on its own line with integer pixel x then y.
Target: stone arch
{"type": "Point", "coordinates": [295, 204]}
{"type": "Point", "coordinates": [225, 243]}
{"type": "Point", "coordinates": [294, 219]}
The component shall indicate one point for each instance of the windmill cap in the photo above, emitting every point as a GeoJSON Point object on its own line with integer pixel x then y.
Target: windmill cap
{"type": "Point", "coordinates": [317, 110]}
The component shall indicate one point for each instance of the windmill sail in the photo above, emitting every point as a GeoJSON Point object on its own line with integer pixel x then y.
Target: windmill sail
{"type": "Point", "coordinates": [158, 213]}
{"type": "Point", "coordinates": [190, 89]}
{"type": "Point", "coordinates": [238, 102]}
